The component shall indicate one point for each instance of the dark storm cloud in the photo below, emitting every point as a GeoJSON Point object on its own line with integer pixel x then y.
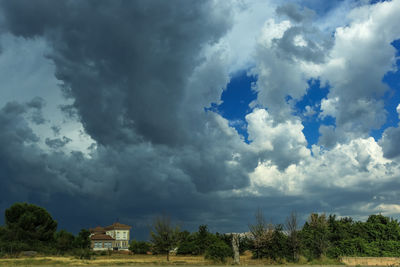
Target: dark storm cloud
{"type": "Point", "coordinates": [126, 66]}
{"type": "Point", "coordinates": [37, 104]}
{"type": "Point", "coordinates": [315, 46]}
{"type": "Point", "coordinates": [57, 143]}
{"type": "Point", "coordinates": [389, 142]}
{"type": "Point", "coordinates": [147, 180]}
{"type": "Point", "coordinates": [313, 50]}
{"type": "Point", "coordinates": [14, 128]}
{"type": "Point", "coordinates": [56, 130]}
{"type": "Point", "coordinates": [28, 174]}
{"type": "Point", "coordinates": [124, 63]}
{"type": "Point", "coordinates": [23, 168]}
{"type": "Point", "coordinates": [328, 137]}
{"type": "Point", "coordinates": [138, 80]}
{"type": "Point", "coordinates": [69, 111]}
{"type": "Point", "coordinates": [294, 12]}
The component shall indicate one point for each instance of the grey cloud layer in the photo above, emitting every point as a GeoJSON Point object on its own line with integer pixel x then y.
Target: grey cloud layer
{"type": "Point", "coordinates": [139, 74]}
{"type": "Point", "coordinates": [128, 66]}
{"type": "Point", "coordinates": [126, 72]}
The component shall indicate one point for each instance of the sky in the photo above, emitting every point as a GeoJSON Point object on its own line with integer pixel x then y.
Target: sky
{"type": "Point", "coordinates": [205, 111]}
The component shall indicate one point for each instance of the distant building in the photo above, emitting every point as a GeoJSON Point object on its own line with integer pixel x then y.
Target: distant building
{"type": "Point", "coordinates": [115, 236]}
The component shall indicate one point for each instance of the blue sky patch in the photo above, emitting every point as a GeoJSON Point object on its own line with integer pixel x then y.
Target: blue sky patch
{"type": "Point", "coordinates": [309, 108]}
{"type": "Point", "coordinates": [373, 2]}
{"type": "Point", "coordinates": [235, 101]}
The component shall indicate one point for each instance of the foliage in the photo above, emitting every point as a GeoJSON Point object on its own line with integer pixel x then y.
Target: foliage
{"type": "Point", "coordinates": [187, 244]}
{"type": "Point", "coordinates": [277, 247]}
{"type": "Point", "coordinates": [218, 251]}
{"type": "Point", "coordinates": [293, 238]}
{"type": "Point", "coordinates": [245, 244]}
{"type": "Point", "coordinates": [378, 236]}
{"type": "Point", "coordinates": [198, 242]}
{"type": "Point", "coordinates": [31, 228]}
{"type": "Point", "coordinates": [269, 241]}
{"type": "Point", "coordinates": [274, 244]}
{"type": "Point", "coordinates": [30, 223]}
{"type": "Point", "coordinates": [322, 239]}
{"type": "Point", "coordinates": [83, 239]}
{"type": "Point", "coordinates": [204, 239]}
{"type": "Point", "coordinates": [83, 254]}
{"type": "Point", "coordinates": [188, 247]}
{"type": "Point", "coordinates": [28, 227]}
{"type": "Point", "coordinates": [315, 236]}
{"type": "Point", "coordinates": [64, 241]}
{"type": "Point", "coordinates": [164, 235]}
{"type": "Point", "coordinates": [139, 247]}
{"type": "Point", "coordinates": [261, 233]}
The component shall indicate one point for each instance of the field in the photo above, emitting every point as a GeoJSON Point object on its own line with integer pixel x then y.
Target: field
{"type": "Point", "coordinates": [133, 260]}
{"type": "Point", "coordinates": [115, 259]}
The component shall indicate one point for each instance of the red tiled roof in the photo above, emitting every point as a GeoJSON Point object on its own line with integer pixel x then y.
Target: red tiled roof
{"type": "Point", "coordinates": [101, 237]}
{"type": "Point", "coordinates": [117, 225]}
{"type": "Point", "coordinates": [98, 229]}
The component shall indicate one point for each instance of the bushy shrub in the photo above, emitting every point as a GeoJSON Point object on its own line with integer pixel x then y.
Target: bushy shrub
{"type": "Point", "coordinates": [14, 247]}
{"type": "Point", "coordinates": [139, 247]}
{"type": "Point", "coordinates": [196, 243]}
{"type": "Point", "coordinates": [83, 254]}
{"type": "Point", "coordinates": [218, 251]}
{"type": "Point", "coordinates": [103, 253]}
{"type": "Point", "coordinates": [244, 244]}
{"type": "Point", "coordinates": [188, 248]}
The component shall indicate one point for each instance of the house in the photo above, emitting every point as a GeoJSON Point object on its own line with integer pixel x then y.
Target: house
{"type": "Point", "coordinates": [115, 236]}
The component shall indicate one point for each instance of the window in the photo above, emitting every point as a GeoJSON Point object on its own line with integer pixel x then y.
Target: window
{"type": "Point", "coordinates": [117, 235]}
{"type": "Point", "coordinates": [124, 235]}
{"type": "Point", "coordinates": [98, 244]}
{"type": "Point", "coordinates": [107, 244]}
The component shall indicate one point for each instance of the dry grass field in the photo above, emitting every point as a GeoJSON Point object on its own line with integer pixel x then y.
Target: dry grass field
{"type": "Point", "coordinates": [116, 259]}
{"type": "Point", "coordinates": [133, 260]}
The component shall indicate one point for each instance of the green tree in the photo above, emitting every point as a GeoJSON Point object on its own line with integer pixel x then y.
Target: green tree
{"type": "Point", "coordinates": [245, 244]}
{"type": "Point", "coordinates": [29, 224]}
{"type": "Point", "coordinates": [315, 235]}
{"type": "Point", "coordinates": [187, 244]}
{"type": "Point", "coordinates": [276, 248]}
{"type": "Point", "coordinates": [380, 227]}
{"type": "Point", "coordinates": [139, 247]}
{"type": "Point", "coordinates": [83, 239]}
{"type": "Point", "coordinates": [204, 239]}
{"type": "Point", "coordinates": [343, 239]}
{"type": "Point", "coordinates": [164, 235]}
{"type": "Point", "coordinates": [294, 243]}
{"type": "Point", "coordinates": [64, 241]}
{"type": "Point", "coordinates": [218, 251]}
{"type": "Point", "coordinates": [197, 242]}
{"type": "Point", "coordinates": [261, 233]}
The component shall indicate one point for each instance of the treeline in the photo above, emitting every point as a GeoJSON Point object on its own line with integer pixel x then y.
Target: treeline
{"type": "Point", "coordinates": [166, 238]}
{"type": "Point", "coordinates": [31, 228]}
{"type": "Point", "coordinates": [320, 237]}
{"type": "Point", "coordinates": [325, 236]}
